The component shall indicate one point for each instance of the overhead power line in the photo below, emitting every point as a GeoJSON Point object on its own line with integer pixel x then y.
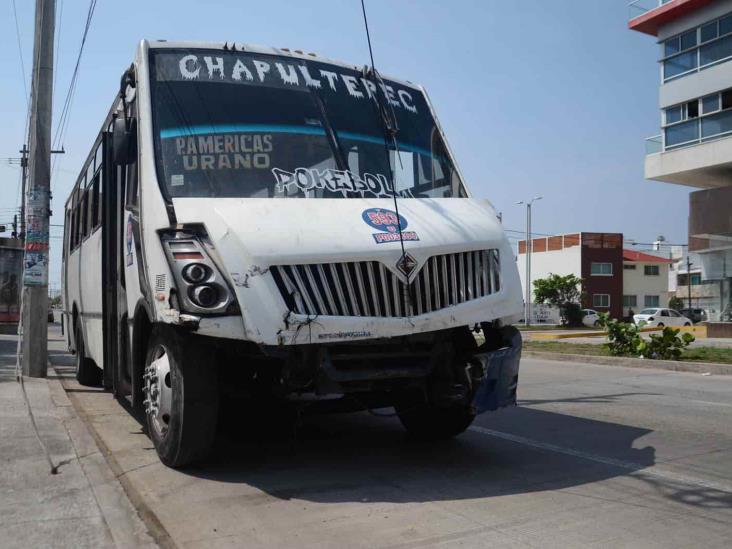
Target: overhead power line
{"type": "Point", "coordinates": [63, 121]}
{"type": "Point", "coordinates": [20, 54]}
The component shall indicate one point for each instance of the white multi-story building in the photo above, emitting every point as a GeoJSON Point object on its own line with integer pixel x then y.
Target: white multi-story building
{"type": "Point", "coordinates": [694, 147]}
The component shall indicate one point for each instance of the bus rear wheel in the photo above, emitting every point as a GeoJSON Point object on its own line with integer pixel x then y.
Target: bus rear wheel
{"type": "Point", "coordinates": [87, 373]}
{"type": "Point", "coordinates": [181, 397]}
{"type": "Point", "coordinates": [430, 422]}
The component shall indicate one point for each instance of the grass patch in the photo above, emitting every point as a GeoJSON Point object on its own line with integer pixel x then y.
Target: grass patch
{"type": "Point", "coordinates": [708, 354]}
{"type": "Point", "coordinates": [571, 348]}
{"type": "Point", "coordinates": [554, 327]}
{"type": "Point", "coordinates": [693, 354]}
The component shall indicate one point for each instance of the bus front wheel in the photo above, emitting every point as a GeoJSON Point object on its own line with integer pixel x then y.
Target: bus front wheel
{"type": "Point", "coordinates": [181, 397]}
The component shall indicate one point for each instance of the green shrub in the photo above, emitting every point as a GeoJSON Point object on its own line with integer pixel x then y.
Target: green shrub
{"type": "Point", "coordinates": [666, 346]}
{"type": "Point", "coordinates": [624, 339]}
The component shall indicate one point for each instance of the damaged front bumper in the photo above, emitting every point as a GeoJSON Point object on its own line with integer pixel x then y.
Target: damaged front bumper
{"type": "Point", "coordinates": [497, 388]}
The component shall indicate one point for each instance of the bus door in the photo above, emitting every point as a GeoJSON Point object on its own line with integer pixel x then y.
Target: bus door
{"type": "Point", "coordinates": [115, 259]}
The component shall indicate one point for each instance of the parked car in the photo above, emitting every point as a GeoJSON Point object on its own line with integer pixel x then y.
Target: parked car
{"type": "Point", "coordinates": [590, 317]}
{"type": "Point", "coordinates": [695, 314]}
{"type": "Point", "coordinates": [658, 317]}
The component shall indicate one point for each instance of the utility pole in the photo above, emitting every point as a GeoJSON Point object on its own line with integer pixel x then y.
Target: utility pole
{"type": "Point", "coordinates": [38, 200]}
{"type": "Point", "coordinates": [688, 277]}
{"type": "Point", "coordinates": [529, 248]}
{"type": "Point", "coordinates": [24, 186]}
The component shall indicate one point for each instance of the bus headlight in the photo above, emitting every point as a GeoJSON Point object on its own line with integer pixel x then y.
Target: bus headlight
{"type": "Point", "coordinates": [195, 273]}
{"type": "Point", "coordinates": [205, 296]}
{"type": "Point", "coordinates": [201, 287]}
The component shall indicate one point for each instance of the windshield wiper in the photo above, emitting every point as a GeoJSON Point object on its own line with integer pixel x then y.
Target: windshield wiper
{"type": "Point", "coordinates": [335, 144]}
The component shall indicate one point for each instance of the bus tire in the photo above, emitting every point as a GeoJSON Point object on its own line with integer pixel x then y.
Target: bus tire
{"type": "Point", "coordinates": [429, 422]}
{"type": "Point", "coordinates": [87, 373]}
{"type": "Point", "coordinates": [180, 397]}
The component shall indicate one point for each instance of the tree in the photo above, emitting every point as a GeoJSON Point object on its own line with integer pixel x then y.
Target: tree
{"type": "Point", "coordinates": [676, 303]}
{"type": "Point", "coordinates": [563, 292]}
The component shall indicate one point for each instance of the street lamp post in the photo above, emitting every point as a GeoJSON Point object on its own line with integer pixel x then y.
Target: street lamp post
{"type": "Point", "coordinates": [529, 248]}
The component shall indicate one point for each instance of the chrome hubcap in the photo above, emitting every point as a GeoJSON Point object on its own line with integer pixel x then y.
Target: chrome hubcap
{"type": "Point", "coordinates": [158, 390]}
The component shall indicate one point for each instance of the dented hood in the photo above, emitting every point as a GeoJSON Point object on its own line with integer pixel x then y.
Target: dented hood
{"type": "Point", "coordinates": [264, 231]}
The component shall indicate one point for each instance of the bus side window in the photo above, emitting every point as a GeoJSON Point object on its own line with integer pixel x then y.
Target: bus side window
{"type": "Point", "coordinates": [67, 241]}
{"type": "Point", "coordinates": [73, 236]}
{"type": "Point", "coordinates": [96, 217]}
{"type": "Point", "coordinates": [90, 210]}
{"type": "Point", "coordinates": [83, 210]}
{"type": "Point", "coordinates": [131, 194]}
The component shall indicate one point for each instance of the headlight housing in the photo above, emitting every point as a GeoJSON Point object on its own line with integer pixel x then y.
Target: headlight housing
{"type": "Point", "coordinates": [202, 289]}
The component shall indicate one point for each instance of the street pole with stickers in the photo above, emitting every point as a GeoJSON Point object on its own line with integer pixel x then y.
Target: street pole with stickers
{"type": "Point", "coordinates": [38, 199]}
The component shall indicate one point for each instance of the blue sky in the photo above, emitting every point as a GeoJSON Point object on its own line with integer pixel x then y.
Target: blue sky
{"type": "Point", "coordinates": [536, 97]}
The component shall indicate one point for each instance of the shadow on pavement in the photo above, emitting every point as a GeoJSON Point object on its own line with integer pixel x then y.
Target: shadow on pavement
{"type": "Point", "coordinates": [356, 457]}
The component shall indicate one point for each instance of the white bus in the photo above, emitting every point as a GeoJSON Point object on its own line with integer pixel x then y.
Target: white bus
{"type": "Point", "coordinates": [270, 222]}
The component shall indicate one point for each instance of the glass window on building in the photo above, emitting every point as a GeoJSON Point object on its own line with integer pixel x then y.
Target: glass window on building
{"type": "Point", "coordinates": [630, 301]}
{"type": "Point", "coordinates": [715, 51]}
{"type": "Point", "coordinates": [650, 270]}
{"type": "Point", "coordinates": [708, 32]}
{"type": "Point", "coordinates": [651, 301]}
{"type": "Point", "coordinates": [688, 40]}
{"type": "Point", "coordinates": [679, 64]}
{"type": "Point", "coordinates": [717, 124]}
{"type": "Point", "coordinates": [682, 133]}
{"type": "Point", "coordinates": [696, 279]}
{"type": "Point", "coordinates": [601, 300]}
{"type": "Point", "coordinates": [673, 114]}
{"type": "Point", "coordinates": [725, 25]}
{"type": "Point", "coordinates": [710, 103]}
{"type": "Point", "coordinates": [629, 266]}
{"type": "Point", "coordinates": [671, 46]}
{"type": "Point", "coordinates": [601, 269]}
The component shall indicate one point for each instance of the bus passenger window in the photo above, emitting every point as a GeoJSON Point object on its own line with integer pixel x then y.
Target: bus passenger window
{"type": "Point", "coordinates": [90, 210]}
{"type": "Point", "coordinates": [83, 211]}
{"type": "Point", "coordinates": [96, 210]}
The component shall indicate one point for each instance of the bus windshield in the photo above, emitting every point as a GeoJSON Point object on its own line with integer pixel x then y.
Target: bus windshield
{"type": "Point", "coordinates": [237, 124]}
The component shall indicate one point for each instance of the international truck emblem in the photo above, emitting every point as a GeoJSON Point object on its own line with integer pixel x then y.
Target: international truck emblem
{"type": "Point", "coordinates": [388, 223]}
{"type": "Point", "coordinates": [406, 264]}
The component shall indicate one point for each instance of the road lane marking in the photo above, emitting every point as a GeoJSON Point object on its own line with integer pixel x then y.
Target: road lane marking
{"type": "Point", "coordinates": [635, 469]}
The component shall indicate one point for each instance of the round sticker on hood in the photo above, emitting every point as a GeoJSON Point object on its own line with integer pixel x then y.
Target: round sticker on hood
{"type": "Point", "coordinates": [384, 220]}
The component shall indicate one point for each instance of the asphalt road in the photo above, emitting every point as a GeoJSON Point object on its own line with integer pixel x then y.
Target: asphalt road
{"type": "Point", "coordinates": [593, 455]}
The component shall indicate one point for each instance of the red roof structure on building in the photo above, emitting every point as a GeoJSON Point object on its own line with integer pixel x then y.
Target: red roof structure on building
{"type": "Point", "coordinates": [632, 255]}
{"type": "Point", "coordinates": [650, 21]}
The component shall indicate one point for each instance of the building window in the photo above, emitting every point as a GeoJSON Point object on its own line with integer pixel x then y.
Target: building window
{"type": "Point", "coordinates": [695, 279]}
{"type": "Point", "coordinates": [651, 301]}
{"type": "Point", "coordinates": [650, 270]}
{"type": "Point", "coordinates": [601, 269]}
{"type": "Point", "coordinates": [601, 300]}
{"type": "Point", "coordinates": [698, 48]}
{"type": "Point", "coordinates": [629, 266]}
{"type": "Point", "coordinates": [630, 301]}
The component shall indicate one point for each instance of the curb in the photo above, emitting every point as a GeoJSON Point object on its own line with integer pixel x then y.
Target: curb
{"type": "Point", "coordinates": [673, 365]}
{"type": "Point", "coordinates": [698, 331]}
{"type": "Point", "coordinates": [154, 527]}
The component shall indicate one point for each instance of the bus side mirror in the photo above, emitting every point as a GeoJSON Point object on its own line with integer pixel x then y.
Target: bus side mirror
{"type": "Point", "coordinates": [124, 141]}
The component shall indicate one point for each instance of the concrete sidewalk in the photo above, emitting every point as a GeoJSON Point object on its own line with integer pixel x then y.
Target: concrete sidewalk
{"type": "Point", "coordinates": [81, 506]}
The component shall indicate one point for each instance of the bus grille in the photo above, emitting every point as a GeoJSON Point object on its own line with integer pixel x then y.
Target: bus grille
{"type": "Point", "coordinates": [368, 288]}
